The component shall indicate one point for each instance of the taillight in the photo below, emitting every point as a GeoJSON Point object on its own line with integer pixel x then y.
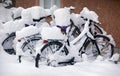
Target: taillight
{"type": "Point", "coordinates": [19, 40]}
{"type": "Point", "coordinates": [45, 41]}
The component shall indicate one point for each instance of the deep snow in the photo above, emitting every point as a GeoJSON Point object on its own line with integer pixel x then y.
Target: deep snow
{"type": "Point", "coordinates": [10, 67]}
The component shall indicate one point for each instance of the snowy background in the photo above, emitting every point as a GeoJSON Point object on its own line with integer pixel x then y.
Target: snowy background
{"type": "Point", "coordinates": [9, 65]}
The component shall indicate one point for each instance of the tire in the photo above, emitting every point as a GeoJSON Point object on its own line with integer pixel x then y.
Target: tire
{"type": "Point", "coordinates": [90, 49]}
{"type": "Point", "coordinates": [8, 44]}
{"type": "Point", "coordinates": [51, 48]}
{"type": "Point", "coordinates": [93, 48]}
{"type": "Point", "coordinates": [98, 29]}
{"type": "Point", "coordinates": [104, 45]}
{"type": "Point", "coordinates": [25, 44]}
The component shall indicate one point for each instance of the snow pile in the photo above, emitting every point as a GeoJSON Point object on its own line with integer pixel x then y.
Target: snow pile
{"type": "Point", "coordinates": [17, 12]}
{"type": "Point", "coordinates": [13, 26]}
{"type": "Point", "coordinates": [115, 57]}
{"type": "Point", "coordinates": [37, 12]}
{"type": "Point", "coordinates": [86, 13]}
{"type": "Point", "coordinates": [5, 14]}
{"type": "Point", "coordinates": [51, 33]}
{"type": "Point", "coordinates": [77, 20]}
{"type": "Point", "coordinates": [53, 8]}
{"type": "Point", "coordinates": [27, 31]}
{"type": "Point", "coordinates": [7, 3]}
{"type": "Point", "coordinates": [48, 12]}
{"type": "Point", "coordinates": [62, 17]}
{"type": "Point", "coordinates": [26, 14]}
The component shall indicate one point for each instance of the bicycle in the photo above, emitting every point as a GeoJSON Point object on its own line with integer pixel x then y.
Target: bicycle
{"type": "Point", "coordinates": [26, 41]}
{"type": "Point", "coordinates": [29, 42]}
{"type": "Point", "coordinates": [55, 52]}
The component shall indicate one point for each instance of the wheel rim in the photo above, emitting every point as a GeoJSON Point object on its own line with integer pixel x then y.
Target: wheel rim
{"type": "Point", "coordinates": [49, 50]}
{"type": "Point", "coordinates": [104, 46]}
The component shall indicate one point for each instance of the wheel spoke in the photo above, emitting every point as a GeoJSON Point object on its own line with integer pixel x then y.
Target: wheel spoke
{"type": "Point", "coordinates": [51, 48]}
{"type": "Point", "coordinates": [104, 46]}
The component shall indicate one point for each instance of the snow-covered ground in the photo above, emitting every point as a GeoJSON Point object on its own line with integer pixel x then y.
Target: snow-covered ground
{"type": "Point", "coordinates": [10, 67]}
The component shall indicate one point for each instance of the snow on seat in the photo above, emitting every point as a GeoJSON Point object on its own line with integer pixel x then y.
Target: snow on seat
{"type": "Point", "coordinates": [27, 31]}
{"type": "Point", "coordinates": [52, 33]}
{"type": "Point", "coordinates": [62, 17]}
